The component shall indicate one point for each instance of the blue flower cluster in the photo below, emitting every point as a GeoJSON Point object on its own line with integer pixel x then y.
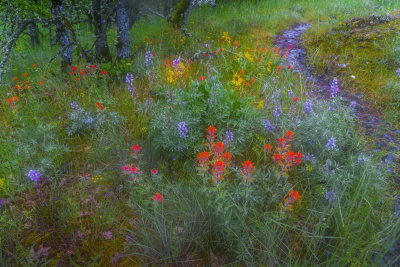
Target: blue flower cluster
{"type": "Point", "coordinates": [34, 175]}
{"type": "Point", "coordinates": [331, 144]}
{"type": "Point", "coordinates": [182, 130]}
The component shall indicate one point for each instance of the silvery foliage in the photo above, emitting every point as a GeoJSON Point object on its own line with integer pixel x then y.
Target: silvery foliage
{"type": "Point", "coordinates": [37, 146]}
{"type": "Point", "coordinates": [82, 121]}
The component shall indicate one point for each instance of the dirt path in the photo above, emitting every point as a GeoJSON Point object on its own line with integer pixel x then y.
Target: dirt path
{"type": "Point", "coordinates": [369, 119]}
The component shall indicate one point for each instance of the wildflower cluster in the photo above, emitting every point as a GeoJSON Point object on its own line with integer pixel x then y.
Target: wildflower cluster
{"type": "Point", "coordinates": [331, 144]}
{"type": "Point", "coordinates": [216, 157]}
{"type": "Point", "coordinates": [129, 80]}
{"type": "Point", "coordinates": [131, 169]}
{"type": "Point", "coordinates": [148, 58]}
{"type": "Point", "coordinates": [90, 69]}
{"type": "Point", "coordinates": [334, 88]}
{"type": "Point", "coordinates": [176, 69]}
{"type": "Point", "coordinates": [308, 106]}
{"type": "Point", "coordinates": [26, 84]}
{"type": "Point", "coordinates": [34, 175]}
{"type": "Point", "coordinates": [225, 36]}
{"type": "Point", "coordinates": [289, 200]}
{"type": "Point", "coordinates": [284, 157]}
{"type": "Point", "coordinates": [97, 178]}
{"type": "Point", "coordinates": [99, 106]}
{"type": "Point", "coordinates": [182, 130]}
{"type": "Point", "coordinates": [219, 159]}
{"type": "Point", "coordinates": [11, 103]}
{"type": "Point", "coordinates": [248, 170]}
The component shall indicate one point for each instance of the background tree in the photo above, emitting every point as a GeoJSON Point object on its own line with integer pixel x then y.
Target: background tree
{"type": "Point", "coordinates": [100, 30]}
{"type": "Point", "coordinates": [62, 35]}
{"type": "Point", "coordinates": [123, 23]}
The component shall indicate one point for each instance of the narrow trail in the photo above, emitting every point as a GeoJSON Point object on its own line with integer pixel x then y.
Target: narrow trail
{"type": "Point", "coordinates": [369, 119]}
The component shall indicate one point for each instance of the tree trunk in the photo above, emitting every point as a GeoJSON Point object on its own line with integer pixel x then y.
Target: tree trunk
{"type": "Point", "coordinates": [123, 42]}
{"type": "Point", "coordinates": [33, 31]}
{"type": "Point", "coordinates": [100, 30]}
{"type": "Point", "coordinates": [182, 13]}
{"type": "Point", "coordinates": [62, 36]}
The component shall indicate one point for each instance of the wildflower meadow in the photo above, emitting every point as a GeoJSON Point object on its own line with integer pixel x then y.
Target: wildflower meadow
{"type": "Point", "coordinates": [200, 133]}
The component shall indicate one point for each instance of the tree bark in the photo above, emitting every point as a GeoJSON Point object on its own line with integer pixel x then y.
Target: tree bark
{"type": "Point", "coordinates": [62, 36]}
{"type": "Point", "coordinates": [33, 31]}
{"type": "Point", "coordinates": [182, 13]}
{"type": "Point", "coordinates": [123, 42]}
{"type": "Point", "coordinates": [100, 30]}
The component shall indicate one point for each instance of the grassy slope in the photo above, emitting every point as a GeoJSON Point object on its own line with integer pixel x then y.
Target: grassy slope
{"type": "Point", "coordinates": [249, 23]}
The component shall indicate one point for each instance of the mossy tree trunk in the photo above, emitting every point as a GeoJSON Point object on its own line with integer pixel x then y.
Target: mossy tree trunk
{"type": "Point", "coordinates": [100, 30]}
{"type": "Point", "coordinates": [182, 13]}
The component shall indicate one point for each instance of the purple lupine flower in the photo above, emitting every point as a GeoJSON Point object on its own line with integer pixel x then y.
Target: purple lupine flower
{"type": "Point", "coordinates": [353, 104]}
{"type": "Point", "coordinates": [290, 94]}
{"type": "Point", "coordinates": [182, 129]}
{"type": "Point", "coordinates": [229, 137]}
{"type": "Point", "coordinates": [34, 175]}
{"type": "Point", "coordinates": [148, 58]}
{"type": "Point", "coordinates": [278, 109]}
{"type": "Point", "coordinates": [90, 120]}
{"type": "Point", "coordinates": [309, 157]}
{"type": "Point", "coordinates": [176, 62]}
{"type": "Point", "coordinates": [362, 158]}
{"type": "Point", "coordinates": [331, 144]}
{"type": "Point", "coordinates": [330, 195]}
{"type": "Point", "coordinates": [129, 237]}
{"type": "Point", "coordinates": [2, 200]}
{"type": "Point", "coordinates": [268, 125]}
{"type": "Point", "coordinates": [74, 105]}
{"type": "Point", "coordinates": [129, 80]}
{"type": "Point", "coordinates": [334, 88]}
{"type": "Point", "coordinates": [308, 106]}
{"type": "Point", "coordinates": [398, 72]}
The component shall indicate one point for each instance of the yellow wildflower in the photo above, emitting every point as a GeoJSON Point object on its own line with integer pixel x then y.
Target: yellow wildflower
{"type": "Point", "coordinates": [248, 56]}
{"type": "Point", "coordinates": [238, 56]}
{"type": "Point", "coordinates": [2, 182]}
{"type": "Point", "coordinates": [237, 80]}
{"type": "Point", "coordinates": [226, 37]}
{"type": "Point", "coordinates": [269, 66]}
{"type": "Point", "coordinates": [308, 167]}
{"type": "Point", "coordinates": [171, 77]}
{"type": "Point", "coordinates": [260, 104]}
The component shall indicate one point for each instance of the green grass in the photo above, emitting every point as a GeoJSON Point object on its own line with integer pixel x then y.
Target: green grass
{"type": "Point", "coordinates": [198, 222]}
